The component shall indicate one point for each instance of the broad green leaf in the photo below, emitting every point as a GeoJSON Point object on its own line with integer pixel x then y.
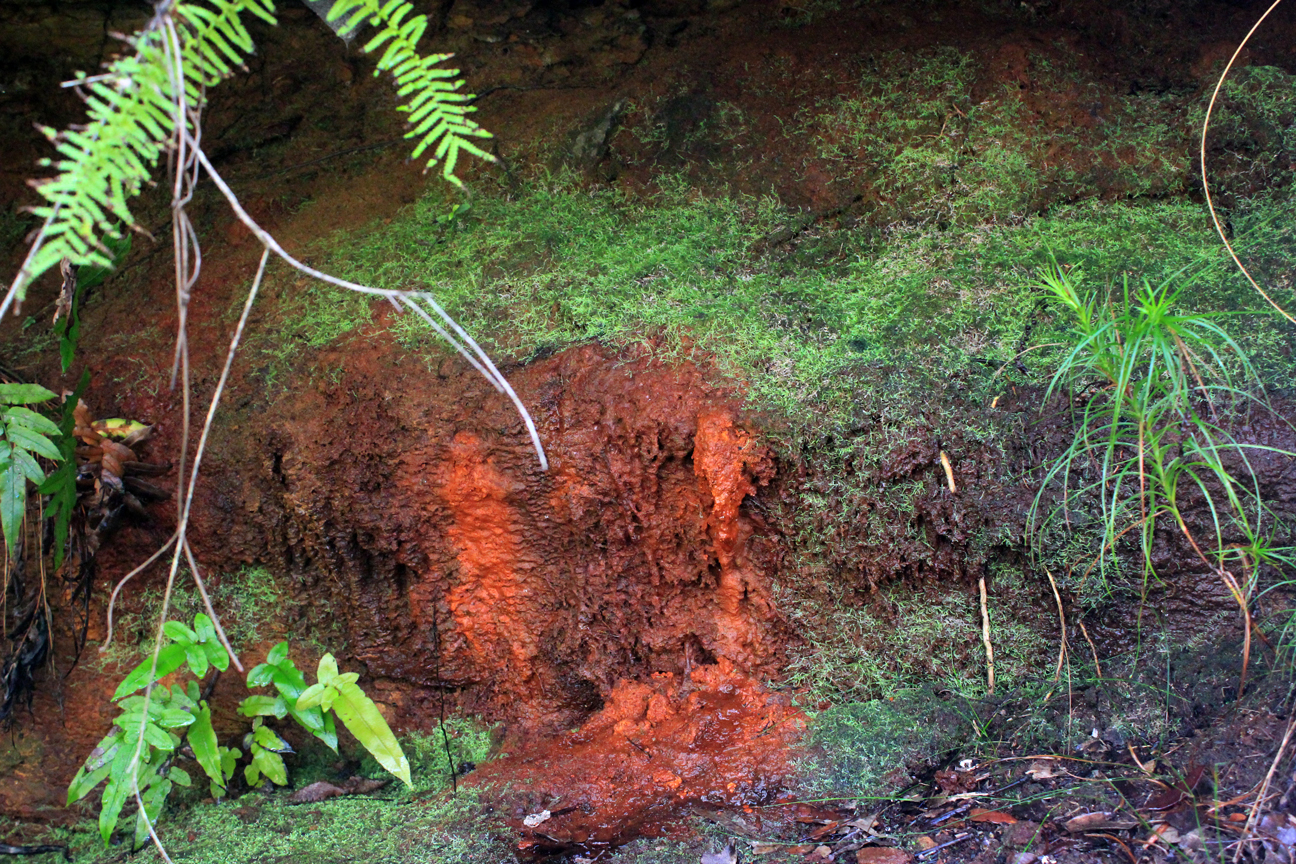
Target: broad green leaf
{"type": "Point", "coordinates": [229, 760]}
{"type": "Point", "coordinates": [33, 441]}
{"type": "Point", "coordinates": [178, 632]}
{"type": "Point", "coordinates": [329, 735]}
{"type": "Point", "coordinates": [23, 394]}
{"type": "Point", "coordinates": [259, 705]}
{"type": "Point", "coordinates": [158, 737]}
{"type": "Point", "coordinates": [271, 765]}
{"type": "Point", "coordinates": [328, 669]}
{"type": "Point", "coordinates": [196, 655]}
{"type": "Point", "coordinates": [179, 776]}
{"type": "Point", "coordinates": [361, 716]}
{"type": "Point", "coordinates": [82, 784]}
{"type": "Point", "coordinates": [289, 680]}
{"type": "Point", "coordinates": [260, 675]}
{"type": "Point", "coordinates": [252, 774]}
{"type": "Point", "coordinates": [181, 698]}
{"type": "Point", "coordinates": [277, 654]}
{"type": "Point", "coordinates": [311, 696]}
{"type": "Point", "coordinates": [173, 718]}
{"type": "Point", "coordinates": [206, 749]}
{"type": "Point", "coordinates": [169, 659]}
{"type": "Point", "coordinates": [113, 798]}
{"type": "Point", "coordinates": [153, 799]}
{"type": "Point", "coordinates": [216, 654]}
{"type": "Point", "coordinates": [104, 751]}
{"type": "Point", "coordinates": [13, 503]}
{"type": "Point", "coordinates": [32, 420]}
{"type": "Point", "coordinates": [30, 469]}
{"type": "Point", "coordinates": [204, 628]}
{"type": "Point", "coordinates": [266, 737]}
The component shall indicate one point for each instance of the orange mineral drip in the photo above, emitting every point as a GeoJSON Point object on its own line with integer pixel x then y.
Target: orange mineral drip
{"type": "Point", "coordinates": [493, 605]}
{"type": "Point", "coordinates": [731, 463]}
{"type": "Point", "coordinates": [654, 751]}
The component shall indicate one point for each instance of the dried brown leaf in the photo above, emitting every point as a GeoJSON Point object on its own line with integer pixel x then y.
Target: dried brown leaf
{"type": "Point", "coordinates": [995, 816]}
{"type": "Point", "coordinates": [882, 855]}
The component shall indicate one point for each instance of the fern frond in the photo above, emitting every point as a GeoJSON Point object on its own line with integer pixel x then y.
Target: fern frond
{"type": "Point", "coordinates": [132, 114]}
{"type": "Point", "coordinates": [131, 120]}
{"type": "Point", "coordinates": [438, 113]}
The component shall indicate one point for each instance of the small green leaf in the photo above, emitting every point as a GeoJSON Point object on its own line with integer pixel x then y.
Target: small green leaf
{"type": "Point", "coordinates": [260, 675]}
{"type": "Point", "coordinates": [311, 696]}
{"type": "Point", "coordinates": [13, 503]}
{"type": "Point", "coordinates": [33, 441]}
{"type": "Point", "coordinates": [271, 764]}
{"type": "Point", "coordinates": [178, 632]}
{"type": "Point", "coordinates": [179, 776]}
{"type": "Point", "coordinates": [259, 705]}
{"type": "Point", "coordinates": [344, 679]}
{"type": "Point", "coordinates": [216, 654]}
{"type": "Point", "coordinates": [113, 798]}
{"type": "Point", "coordinates": [206, 749]}
{"type": "Point", "coordinates": [33, 421]}
{"type": "Point", "coordinates": [252, 774]}
{"type": "Point", "coordinates": [174, 718]}
{"type": "Point", "coordinates": [153, 801]}
{"type": "Point", "coordinates": [196, 655]}
{"type": "Point", "coordinates": [30, 469]}
{"type": "Point", "coordinates": [169, 659]}
{"type": "Point", "coordinates": [82, 784]}
{"type": "Point", "coordinates": [181, 698]}
{"type": "Point", "coordinates": [361, 716]}
{"type": "Point", "coordinates": [277, 654]}
{"type": "Point", "coordinates": [157, 737]}
{"type": "Point", "coordinates": [23, 394]}
{"type": "Point", "coordinates": [204, 628]}
{"type": "Point", "coordinates": [229, 760]}
{"type": "Point", "coordinates": [266, 737]}
{"type": "Point", "coordinates": [328, 669]}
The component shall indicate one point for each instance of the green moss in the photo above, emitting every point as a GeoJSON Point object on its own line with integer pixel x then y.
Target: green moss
{"type": "Point", "coordinates": [256, 829]}
{"type": "Point", "coordinates": [866, 748]}
{"type": "Point", "coordinates": [857, 652]}
{"type": "Point", "coordinates": [251, 604]}
{"type": "Point", "coordinates": [937, 150]}
{"type": "Point", "coordinates": [806, 320]}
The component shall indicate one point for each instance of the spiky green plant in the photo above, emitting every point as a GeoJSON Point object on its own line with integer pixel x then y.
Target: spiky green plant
{"type": "Point", "coordinates": [137, 105]}
{"type": "Point", "coordinates": [1157, 392]}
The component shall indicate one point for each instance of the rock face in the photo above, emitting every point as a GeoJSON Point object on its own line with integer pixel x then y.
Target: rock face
{"type": "Point", "coordinates": [454, 563]}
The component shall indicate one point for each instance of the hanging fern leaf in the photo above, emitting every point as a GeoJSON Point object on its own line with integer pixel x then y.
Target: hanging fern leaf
{"type": "Point", "coordinates": [438, 111]}
{"type": "Point", "coordinates": [132, 111]}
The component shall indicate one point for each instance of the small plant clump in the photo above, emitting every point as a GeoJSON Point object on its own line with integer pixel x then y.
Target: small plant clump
{"type": "Point", "coordinates": [1157, 393]}
{"type": "Point", "coordinates": [138, 757]}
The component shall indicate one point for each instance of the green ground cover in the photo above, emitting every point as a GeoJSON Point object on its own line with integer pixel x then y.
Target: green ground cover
{"type": "Point", "coordinates": [803, 313]}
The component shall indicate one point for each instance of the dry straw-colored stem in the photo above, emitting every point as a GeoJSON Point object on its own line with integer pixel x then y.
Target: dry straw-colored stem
{"type": "Point", "coordinates": [1210, 204]}
{"type": "Point", "coordinates": [985, 637]}
{"type": "Point", "coordinates": [1062, 642]}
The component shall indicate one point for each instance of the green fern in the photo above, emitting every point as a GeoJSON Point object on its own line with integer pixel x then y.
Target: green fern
{"type": "Point", "coordinates": [132, 111]}
{"type": "Point", "coordinates": [437, 110]}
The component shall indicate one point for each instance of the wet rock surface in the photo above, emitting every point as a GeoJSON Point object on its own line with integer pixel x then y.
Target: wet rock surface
{"type": "Point", "coordinates": [440, 544]}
